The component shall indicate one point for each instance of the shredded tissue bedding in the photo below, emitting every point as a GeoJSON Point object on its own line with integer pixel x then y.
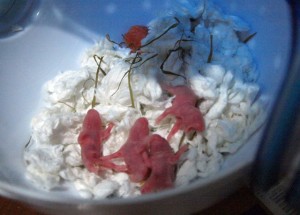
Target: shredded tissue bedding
{"type": "Point", "coordinates": [195, 45]}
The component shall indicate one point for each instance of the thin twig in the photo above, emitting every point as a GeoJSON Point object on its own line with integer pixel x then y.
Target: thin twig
{"type": "Point", "coordinates": [108, 38]}
{"type": "Point", "coordinates": [28, 143]}
{"type": "Point", "coordinates": [136, 59]}
{"type": "Point", "coordinates": [84, 89]}
{"type": "Point", "coordinates": [247, 39]}
{"type": "Point", "coordinates": [96, 80]}
{"type": "Point", "coordinates": [142, 109]}
{"type": "Point", "coordinates": [165, 60]}
{"type": "Point", "coordinates": [84, 98]}
{"type": "Point", "coordinates": [166, 31]}
{"type": "Point", "coordinates": [120, 82]}
{"type": "Point", "coordinates": [210, 56]}
{"type": "Point", "coordinates": [73, 108]}
{"type": "Point", "coordinates": [181, 140]}
{"type": "Point", "coordinates": [149, 58]}
{"type": "Point", "coordinates": [130, 89]}
{"type": "Point", "coordinates": [99, 64]}
{"type": "Point", "coordinates": [193, 135]}
{"type": "Point", "coordinates": [129, 80]}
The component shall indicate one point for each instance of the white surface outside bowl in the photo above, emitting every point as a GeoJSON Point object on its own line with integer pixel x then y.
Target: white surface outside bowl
{"type": "Point", "coordinates": [59, 33]}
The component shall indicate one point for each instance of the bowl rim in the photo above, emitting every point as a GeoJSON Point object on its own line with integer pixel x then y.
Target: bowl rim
{"type": "Point", "coordinates": [22, 194]}
{"type": "Point", "coordinates": [25, 194]}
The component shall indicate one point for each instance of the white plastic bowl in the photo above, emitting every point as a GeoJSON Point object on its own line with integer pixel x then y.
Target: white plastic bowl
{"type": "Point", "coordinates": [53, 38]}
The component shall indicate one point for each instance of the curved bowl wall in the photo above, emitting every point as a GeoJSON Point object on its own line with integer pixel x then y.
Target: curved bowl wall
{"type": "Point", "coordinates": [52, 39]}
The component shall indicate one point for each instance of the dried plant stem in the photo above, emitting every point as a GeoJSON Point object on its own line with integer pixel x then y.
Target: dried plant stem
{"type": "Point", "coordinates": [247, 39]}
{"type": "Point", "coordinates": [162, 34]}
{"type": "Point", "coordinates": [99, 64]}
{"type": "Point", "coordinates": [97, 78]}
{"type": "Point", "coordinates": [84, 89]}
{"type": "Point", "coordinates": [73, 108]}
{"type": "Point", "coordinates": [28, 143]}
{"type": "Point", "coordinates": [108, 38]}
{"type": "Point", "coordinates": [142, 109]}
{"type": "Point", "coordinates": [193, 135]}
{"type": "Point", "coordinates": [149, 58]}
{"type": "Point", "coordinates": [165, 60]}
{"type": "Point", "coordinates": [181, 140]}
{"type": "Point", "coordinates": [130, 89]}
{"type": "Point", "coordinates": [129, 80]}
{"type": "Point", "coordinates": [210, 56]}
{"type": "Point", "coordinates": [120, 83]}
{"type": "Point", "coordinates": [128, 73]}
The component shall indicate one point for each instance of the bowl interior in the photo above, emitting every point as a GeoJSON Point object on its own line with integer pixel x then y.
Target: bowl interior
{"type": "Point", "coordinates": [59, 32]}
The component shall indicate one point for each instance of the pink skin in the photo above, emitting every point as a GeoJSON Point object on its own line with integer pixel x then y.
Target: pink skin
{"type": "Point", "coordinates": [90, 139]}
{"type": "Point", "coordinates": [147, 158]}
{"type": "Point", "coordinates": [188, 116]}
{"type": "Point", "coordinates": [134, 152]}
{"type": "Point", "coordinates": [162, 161]}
